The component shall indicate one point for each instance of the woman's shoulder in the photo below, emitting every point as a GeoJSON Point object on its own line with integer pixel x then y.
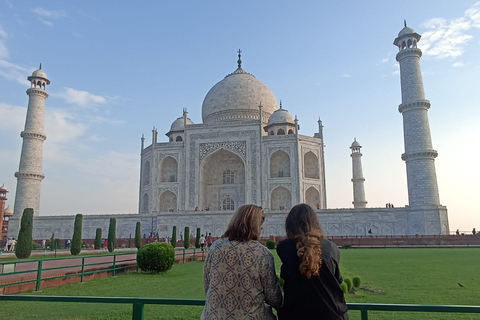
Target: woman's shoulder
{"type": "Point", "coordinates": [286, 245]}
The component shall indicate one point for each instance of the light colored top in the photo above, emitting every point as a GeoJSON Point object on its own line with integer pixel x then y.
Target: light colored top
{"type": "Point", "coordinates": [239, 278]}
{"type": "Point", "coordinates": [202, 240]}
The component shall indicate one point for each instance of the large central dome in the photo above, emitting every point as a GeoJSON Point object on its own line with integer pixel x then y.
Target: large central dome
{"type": "Point", "coordinates": [236, 98]}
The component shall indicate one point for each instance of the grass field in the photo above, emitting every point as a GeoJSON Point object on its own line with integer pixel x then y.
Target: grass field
{"type": "Point", "coordinates": [397, 276]}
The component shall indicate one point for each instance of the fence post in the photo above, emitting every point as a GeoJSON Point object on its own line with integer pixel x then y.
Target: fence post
{"type": "Point", "coordinates": [183, 255]}
{"type": "Point", "coordinates": [138, 310]}
{"type": "Point", "coordinates": [114, 267]}
{"type": "Point", "coordinates": [55, 248]}
{"type": "Point", "coordinates": [39, 275]}
{"type": "Point", "coordinates": [83, 269]}
{"type": "Point", "coordinates": [364, 313]}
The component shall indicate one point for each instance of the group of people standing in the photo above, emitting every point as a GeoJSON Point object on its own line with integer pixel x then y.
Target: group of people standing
{"type": "Point", "coordinates": [239, 274]}
{"type": "Point", "coordinates": [10, 244]}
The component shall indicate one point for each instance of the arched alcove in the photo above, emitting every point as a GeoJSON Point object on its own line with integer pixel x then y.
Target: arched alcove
{"type": "Point", "coordinates": [280, 132]}
{"type": "Point", "coordinates": [167, 202]}
{"type": "Point", "coordinates": [145, 203]}
{"type": "Point", "coordinates": [168, 170]}
{"type": "Point", "coordinates": [312, 197]}
{"type": "Point", "coordinates": [146, 173]}
{"type": "Point", "coordinates": [213, 188]}
{"type": "Point", "coordinates": [279, 164]}
{"type": "Point", "coordinates": [280, 199]}
{"type": "Point", "coordinates": [310, 166]}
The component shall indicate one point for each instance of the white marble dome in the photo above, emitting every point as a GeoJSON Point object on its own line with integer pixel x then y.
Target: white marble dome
{"type": "Point", "coordinates": [39, 74]}
{"type": "Point", "coordinates": [8, 211]}
{"type": "Point", "coordinates": [178, 125]}
{"type": "Point", "coordinates": [406, 30]}
{"type": "Point", "coordinates": [236, 98]}
{"type": "Point", "coordinates": [281, 116]}
{"type": "Point", "coordinates": [355, 144]}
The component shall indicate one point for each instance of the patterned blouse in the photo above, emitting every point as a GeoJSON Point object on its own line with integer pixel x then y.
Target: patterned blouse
{"type": "Point", "coordinates": [240, 280]}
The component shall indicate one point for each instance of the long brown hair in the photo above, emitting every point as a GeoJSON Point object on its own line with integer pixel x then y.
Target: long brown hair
{"type": "Point", "coordinates": [303, 226]}
{"type": "Point", "coordinates": [246, 223]}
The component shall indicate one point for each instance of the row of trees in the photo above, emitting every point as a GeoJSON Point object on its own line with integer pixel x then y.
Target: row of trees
{"type": "Point", "coordinates": [186, 241]}
{"type": "Point", "coordinates": [23, 249]}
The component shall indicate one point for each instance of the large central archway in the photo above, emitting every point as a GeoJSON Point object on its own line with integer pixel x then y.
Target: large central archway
{"type": "Point", "coordinates": [222, 181]}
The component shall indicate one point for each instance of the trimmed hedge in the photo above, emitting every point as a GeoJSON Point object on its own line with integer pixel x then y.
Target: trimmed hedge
{"type": "Point", "coordinates": [186, 238]}
{"type": "Point", "coordinates": [156, 257]}
{"type": "Point", "coordinates": [349, 283]}
{"type": "Point", "coordinates": [98, 238]}
{"type": "Point", "coordinates": [138, 235]}
{"type": "Point", "coordinates": [174, 236]}
{"type": "Point", "coordinates": [23, 249]}
{"type": "Point", "coordinates": [76, 246]}
{"type": "Point", "coordinates": [197, 239]}
{"type": "Point", "coordinates": [52, 242]}
{"type": "Point", "coordinates": [271, 244]}
{"type": "Point", "coordinates": [357, 281]}
{"type": "Point", "coordinates": [112, 235]}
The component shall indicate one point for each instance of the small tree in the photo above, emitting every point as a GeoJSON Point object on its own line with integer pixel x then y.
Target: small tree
{"type": "Point", "coordinates": [76, 245]}
{"type": "Point", "coordinates": [186, 242]}
{"type": "Point", "coordinates": [197, 239]}
{"type": "Point", "coordinates": [98, 238]}
{"type": "Point", "coordinates": [130, 241]}
{"type": "Point", "coordinates": [52, 242]}
{"type": "Point", "coordinates": [23, 249]}
{"type": "Point", "coordinates": [138, 235]}
{"type": "Point", "coordinates": [156, 257]}
{"type": "Point", "coordinates": [112, 235]}
{"type": "Point", "coordinates": [174, 236]}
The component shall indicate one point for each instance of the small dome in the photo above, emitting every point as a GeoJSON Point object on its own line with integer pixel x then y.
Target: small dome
{"type": "Point", "coordinates": [406, 30]}
{"type": "Point", "coordinates": [39, 74]}
{"type": "Point", "coordinates": [8, 212]}
{"type": "Point", "coordinates": [3, 188]}
{"type": "Point", "coordinates": [281, 116]}
{"type": "Point", "coordinates": [177, 125]}
{"type": "Point", "coordinates": [355, 144]}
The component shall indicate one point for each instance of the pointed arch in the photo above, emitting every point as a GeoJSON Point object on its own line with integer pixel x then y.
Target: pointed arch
{"type": "Point", "coordinates": [280, 199]}
{"type": "Point", "coordinates": [310, 166]}
{"type": "Point", "coordinates": [280, 132]}
{"type": "Point", "coordinates": [279, 164]}
{"type": "Point", "coordinates": [312, 197]}
{"type": "Point", "coordinates": [145, 203]}
{"type": "Point", "coordinates": [146, 173]}
{"type": "Point", "coordinates": [167, 202]}
{"type": "Point", "coordinates": [179, 139]}
{"type": "Point", "coordinates": [290, 131]}
{"type": "Point", "coordinates": [168, 170]}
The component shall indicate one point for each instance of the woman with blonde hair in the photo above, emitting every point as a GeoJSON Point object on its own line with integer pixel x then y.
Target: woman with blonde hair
{"type": "Point", "coordinates": [239, 273]}
{"type": "Point", "coordinates": [310, 270]}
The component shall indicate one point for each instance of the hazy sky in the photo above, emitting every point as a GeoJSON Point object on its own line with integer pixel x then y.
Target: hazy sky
{"type": "Point", "coordinates": [118, 68]}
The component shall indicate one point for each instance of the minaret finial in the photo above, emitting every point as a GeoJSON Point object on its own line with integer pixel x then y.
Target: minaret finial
{"type": "Point", "coordinates": [280, 104]}
{"type": "Point", "coordinates": [239, 59]}
{"type": "Point", "coordinates": [405, 23]}
{"type": "Point", "coordinates": [40, 66]}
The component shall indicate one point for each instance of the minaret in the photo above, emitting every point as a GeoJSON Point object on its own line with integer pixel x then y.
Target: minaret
{"type": "Point", "coordinates": [29, 175]}
{"type": "Point", "coordinates": [357, 176]}
{"type": "Point", "coordinates": [419, 154]}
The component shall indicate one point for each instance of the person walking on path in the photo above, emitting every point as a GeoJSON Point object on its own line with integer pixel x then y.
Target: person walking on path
{"type": "Point", "coordinates": [310, 269]}
{"type": "Point", "coordinates": [202, 241]}
{"type": "Point", "coordinates": [239, 275]}
{"type": "Point", "coordinates": [209, 240]}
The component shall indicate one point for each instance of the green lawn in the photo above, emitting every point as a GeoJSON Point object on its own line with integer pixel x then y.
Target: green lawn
{"type": "Point", "coordinates": [413, 276]}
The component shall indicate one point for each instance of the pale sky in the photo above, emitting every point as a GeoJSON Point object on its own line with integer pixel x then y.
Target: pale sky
{"type": "Point", "coordinates": [118, 68]}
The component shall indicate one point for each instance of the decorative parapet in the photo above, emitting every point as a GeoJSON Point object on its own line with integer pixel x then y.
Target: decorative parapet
{"type": "Point", "coordinates": [420, 104]}
{"type": "Point", "coordinates": [26, 175]}
{"type": "Point", "coordinates": [412, 52]}
{"type": "Point", "coordinates": [428, 154]}
{"type": "Point", "coordinates": [38, 91]}
{"type": "Point", "coordinates": [33, 135]}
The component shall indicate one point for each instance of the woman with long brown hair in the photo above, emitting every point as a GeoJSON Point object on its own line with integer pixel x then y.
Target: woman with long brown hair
{"type": "Point", "coordinates": [239, 273]}
{"type": "Point", "coordinates": [310, 270]}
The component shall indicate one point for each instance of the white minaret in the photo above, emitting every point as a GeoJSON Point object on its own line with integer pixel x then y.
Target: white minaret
{"type": "Point", "coordinates": [419, 154]}
{"type": "Point", "coordinates": [357, 176]}
{"type": "Point", "coordinates": [29, 175]}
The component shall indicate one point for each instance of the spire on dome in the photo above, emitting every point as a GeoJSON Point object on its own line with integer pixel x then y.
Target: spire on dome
{"type": "Point", "coordinates": [239, 61]}
{"type": "Point", "coordinates": [40, 66]}
{"type": "Point", "coordinates": [404, 23]}
{"type": "Point", "coordinates": [280, 104]}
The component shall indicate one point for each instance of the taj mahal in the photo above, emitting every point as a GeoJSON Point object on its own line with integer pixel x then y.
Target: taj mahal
{"type": "Point", "coordinates": [248, 149]}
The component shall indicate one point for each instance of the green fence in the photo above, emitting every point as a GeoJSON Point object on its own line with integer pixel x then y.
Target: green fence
{"type": "Point", "coordinates": [138, 304]}
{"type": "Point", "coordinates": [34, 270]}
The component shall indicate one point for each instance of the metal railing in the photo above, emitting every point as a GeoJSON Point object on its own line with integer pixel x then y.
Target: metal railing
{"type": "Point", "coordinates": [138, 304]}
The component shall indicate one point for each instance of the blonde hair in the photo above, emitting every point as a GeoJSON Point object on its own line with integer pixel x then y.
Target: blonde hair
{"type": "Point", "coordinates": [303, 227]}
{"type": "Point", "coordinates": [246, 223]}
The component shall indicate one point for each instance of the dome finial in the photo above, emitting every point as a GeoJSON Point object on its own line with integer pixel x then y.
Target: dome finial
{"type": "Point", "coordinates": [280, 104]}
{"type": "Point", "coordinates": [404, 23]}
{"type": "Point", "coordinates": [239, 59]}
{"type": "Point", "coordinates": [40, 66]}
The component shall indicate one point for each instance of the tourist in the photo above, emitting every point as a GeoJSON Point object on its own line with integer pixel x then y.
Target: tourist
{"type": "Point", "coordinates": [14, 242]}
{"type": "Point", "coordinates": [44, 244]}
{"type": "Point", "coordinates": [238, 266]}
{"type": "Point", "coordinates": [209, 240]}
{"type": "Point", "coordinates": [202, 242]}
{"type": "Point", "coordinates": [310, 270]}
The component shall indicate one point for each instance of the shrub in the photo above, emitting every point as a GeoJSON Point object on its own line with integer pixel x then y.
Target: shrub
{"type": "Point", "coordinates": [156, 257]}
{"type": "Point", "coordinates": [263, 243]}
{"type": "Point", "coordinates": [344, 287]}
{"type": "Point", "coordinates": [346, 246]}
{"type": "Point", "coordinates": [356, 281]}
{"type": "Point", "coordinates": [186, 239]}
{"type": "Point", "coordinates": [197, 239]}
{"type": "Point", "coordinates": [130, 241]}
{"type": "Point", "coordinates": [98, 238]}
{"type": "Point", "coordinates": [271, 244]}
{"type": "Point", "coordinates": [112, 235]}
{"type": "Point", "coordinates": [349, 283]}
{"type": "Point", "coordinates": [23, 249]}
{"type": "Point", "coordinates": [138, 235]}
{"type": "Point", "coordinates": [52, 242]}
{"type": "Point", "coordinates": [174, 236]}
{"type": "Point", "coordinates": [76, 246]}
{"type": "Point", "coordinates": [34, 246]}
